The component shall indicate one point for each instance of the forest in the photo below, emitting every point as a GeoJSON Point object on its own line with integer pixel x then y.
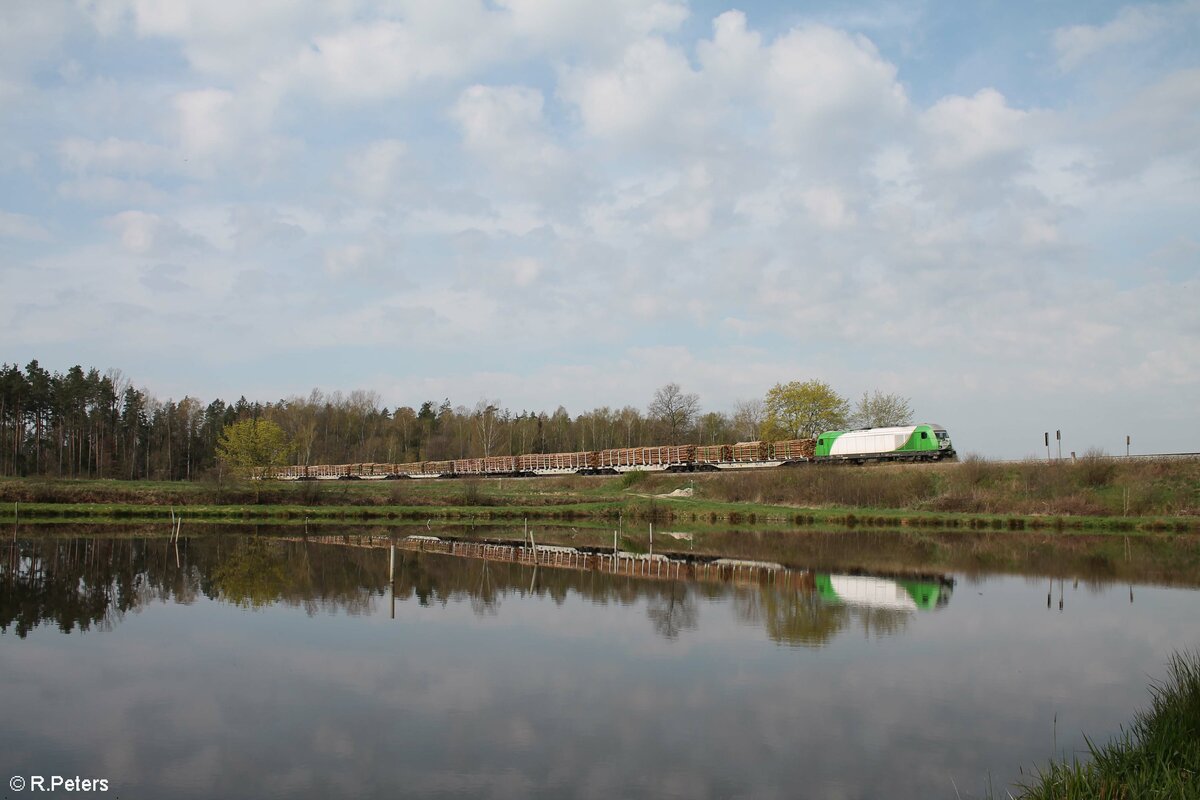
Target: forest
{"type": "Point", "coordinates": [87, 423]}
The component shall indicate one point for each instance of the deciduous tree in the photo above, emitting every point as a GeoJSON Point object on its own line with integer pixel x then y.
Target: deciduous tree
{"type": "Point", "coordinates": [879, 410]}
{"type": "Point", "coordinates": [251, 446]}
{"type": "Point", "coordinates": [675, 408]}
{"type": "Point", "coordinates": [803, 409]}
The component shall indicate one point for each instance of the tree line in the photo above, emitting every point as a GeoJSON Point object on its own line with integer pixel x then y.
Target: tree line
{"type": "Point", "coordinates": [87, 423]}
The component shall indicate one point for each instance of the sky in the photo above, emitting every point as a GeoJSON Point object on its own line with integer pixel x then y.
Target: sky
{"type": "Point", "coordinates": [990, 208]}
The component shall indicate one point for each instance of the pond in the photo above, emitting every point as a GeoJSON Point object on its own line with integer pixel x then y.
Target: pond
{"type": "Point", "coordinates": [811, 664]}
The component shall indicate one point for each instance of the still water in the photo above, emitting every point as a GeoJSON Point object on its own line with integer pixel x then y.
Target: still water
{"type": "Point", "coordinates": [245, 666]}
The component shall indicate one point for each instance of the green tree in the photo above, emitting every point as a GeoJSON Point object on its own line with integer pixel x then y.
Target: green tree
{"type": "Point", "coordinates": [803, 410]}
{"type": "Point", "coordinates": [251, 447]}
{"type": "Point", "coordinates": [879, 410]}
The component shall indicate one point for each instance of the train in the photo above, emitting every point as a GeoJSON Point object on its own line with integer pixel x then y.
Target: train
{"type": "Point", "coordinates": [905, 443]}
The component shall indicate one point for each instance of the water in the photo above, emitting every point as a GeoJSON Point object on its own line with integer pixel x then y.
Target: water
{"type": "Point", "coordinates": [245, 667]}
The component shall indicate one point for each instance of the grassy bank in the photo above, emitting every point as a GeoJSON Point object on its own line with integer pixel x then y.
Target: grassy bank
{"type": "Point", "coordinates": [1158, 756]}
{"type": "Point", "coordinates": [1091, 494]}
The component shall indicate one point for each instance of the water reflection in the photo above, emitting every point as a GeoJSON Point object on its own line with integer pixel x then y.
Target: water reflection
{"type": "Point", "coordinates": [248, 666]}
{"type": "Point", "coordinates": [86, 584]}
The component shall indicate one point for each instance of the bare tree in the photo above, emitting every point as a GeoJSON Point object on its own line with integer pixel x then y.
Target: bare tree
{"type": "Point", "coordinates": [748, 418]}
{"type": "Point", "coordinates": [675, 408]}
{"type": "Point", "coordinates": [487, 420]}
{"type": "Point", "coordinates": [879, 410]}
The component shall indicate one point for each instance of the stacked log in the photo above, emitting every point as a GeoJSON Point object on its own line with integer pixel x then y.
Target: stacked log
{"type": "Point", "coordinates": [437, 467]}
{"type": "Point", "coordinates": [468, 466]}
{"type": "Point", "coordinates": [500, 464]}
{"type": "Point", "coordinates": [714, 454]}
{"type": "Point", "coordinates": [751, 451]}
{"type": "Point", "coordinates": [412, 468]}
{"type": "Point", "coordinates": [794, 449]}
{"type": "Point", "coordinates": [535, 461]}
{"type": "Point", "coordinates": [647, 456]}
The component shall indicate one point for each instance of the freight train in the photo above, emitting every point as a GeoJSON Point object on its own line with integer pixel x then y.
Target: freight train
{"type": "Point", "coordinates": [903, 443]}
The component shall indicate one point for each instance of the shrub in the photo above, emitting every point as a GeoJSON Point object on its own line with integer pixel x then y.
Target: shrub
{"type": "Point", "coordinates": [1096, 469]}
{"type": "Point", "coordinates": [633, 478]}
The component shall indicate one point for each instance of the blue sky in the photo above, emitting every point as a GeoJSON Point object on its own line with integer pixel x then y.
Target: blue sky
{"type": "Point", "coordinates": [990, 208]}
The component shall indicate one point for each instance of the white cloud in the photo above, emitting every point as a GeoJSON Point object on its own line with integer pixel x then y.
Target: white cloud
{"type": "Point", "coordinates": [831, 89]}
{"type": "Point", "coordinates": [965, 130]}
{"type": "Point", "coordinates": [651, 93]}
{"type": "Point", "coordinates": [574, 23]}
{"type": "Point", "coordinates": [384, 58]}
{"type": "Point", "coordinates": [143, 233]}
{"type": "Point", "coordinates": [517, 219]}
{"type": "Point", "coordinates": [372, 172]}
{"type": "Point", "coordinates": [21, 226]}
{"type": "Point", "coordinates": [685, 210]}
{"type": "Point", "coordinates": [828, 207]}
{"type": "Point", "coordinates": [524, 271]}
{"type": "Point", "coordinates": [206, 122]}
{"type": "Point", "coordinates": [506, 127]}
{"type": "Point", "coordinates": [219, 38]}
{"type": "Point", "coordinates": [108, 191]}
{"type": "Point", "coordinates": [734, 58]}
{"type": "Point", "coordinates": [602, 169]}
{"type": "Point", "coordinates": [343, 261]}
{"type": "Point", "coordinates": [110, 155]}
{"type": "Point", "coordinates": [1077, 43]}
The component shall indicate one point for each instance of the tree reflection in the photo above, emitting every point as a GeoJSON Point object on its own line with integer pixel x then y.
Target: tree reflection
{"type": "Point", "coordinates": [251, 575]}
{"type": "Point", "coordinates": [90, 583]}
{"type": "Point", "coordinates": [675, 612]}
{"type": "Point", "coordinates": [791, 616]}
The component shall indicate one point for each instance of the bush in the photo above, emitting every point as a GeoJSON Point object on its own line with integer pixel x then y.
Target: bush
{"type": "Point", "coordinates": [633, 478]}
{"type": "Point", "coordinates": [1096, 469]}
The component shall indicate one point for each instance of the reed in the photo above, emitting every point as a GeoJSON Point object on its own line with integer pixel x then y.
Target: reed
{"type": "Point", "coordinates": [1157, 756]}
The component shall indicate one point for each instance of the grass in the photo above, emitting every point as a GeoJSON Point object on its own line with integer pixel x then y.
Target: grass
{"type": "Point", "coordinates": [1158, 756]}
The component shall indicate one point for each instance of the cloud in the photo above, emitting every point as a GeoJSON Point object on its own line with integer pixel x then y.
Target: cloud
{"type": "Point", "coordinates": [830, 89]}
{"type": "Point", "coordinates": [560, 24]}
{"type": "Point", "coordinates": [621, 174]}
{"type": "Point", "coordinates": [651, 93]}
{"type": "Point", "coordinates": [1075, 44]}
{"type": "Point", "coordinates": [963, 131]}
{"type": "Point", "coordinates": [143, 233]}
{"type": "Point", "coordinates": [505, 127]}
{"type": "Point", "coordinates": [113, 155]}
{"type": "Point", "coordinates": [384, 58]}
{"type": "Point", "coordinates": [22, 226]}
{"type": "Point", "coordinates": [373, 171]}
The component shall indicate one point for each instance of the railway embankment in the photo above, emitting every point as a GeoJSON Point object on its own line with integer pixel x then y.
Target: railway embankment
{"type": "Point", "coordinates": [1095, 494]}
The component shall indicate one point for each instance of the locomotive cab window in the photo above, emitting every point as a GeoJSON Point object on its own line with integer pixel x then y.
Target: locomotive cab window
{"type": "Point", "coordinates": [924, 435]}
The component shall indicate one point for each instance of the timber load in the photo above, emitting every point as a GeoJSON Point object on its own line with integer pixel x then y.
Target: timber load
{"type": "Point", "coordinates": [670, 458]}
{"type": "Point", "coordinates": [751, 451]}
{"type": "Point", "coordinates": [496, 464]}
{"type": "Point", "coordinates": [714, 453]}
{"type": "Point", "coordinates": [557, 461]}
{"type": "Point", "coordinates": [647, 456]}
{"type": "Point", "coordinates": [793, 450]}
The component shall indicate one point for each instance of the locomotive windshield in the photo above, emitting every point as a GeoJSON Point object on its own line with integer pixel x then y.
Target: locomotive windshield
{"type": "Point", "coordinates": [942, 435]}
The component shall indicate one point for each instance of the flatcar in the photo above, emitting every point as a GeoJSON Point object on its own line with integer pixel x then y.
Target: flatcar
{"type": "Point", "coordinates": [907, 443]}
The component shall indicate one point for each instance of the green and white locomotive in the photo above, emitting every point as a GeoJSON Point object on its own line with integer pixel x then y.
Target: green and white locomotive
{"type": "Point", "coordinates": [927, 442]}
